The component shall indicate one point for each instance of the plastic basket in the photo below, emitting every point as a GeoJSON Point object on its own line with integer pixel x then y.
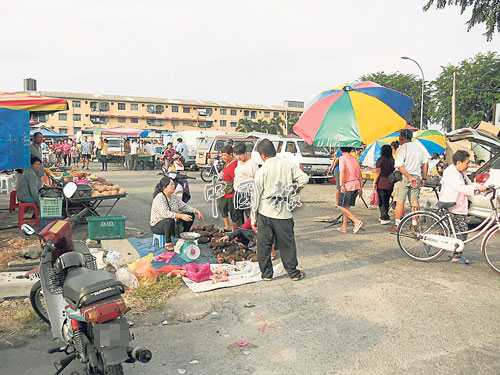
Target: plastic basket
{"type": "Point", "coordinates": [51, 207]}
{"type": "Point", "coordinates": [106, 227]}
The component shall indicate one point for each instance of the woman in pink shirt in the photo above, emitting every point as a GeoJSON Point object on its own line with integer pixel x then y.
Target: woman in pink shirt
{"type": "Point", "coordinates": [455, 187]}
{"type": "Point", "coordinates": [350, 187]}
{"type": "Point", "coordinates": [67, 153]}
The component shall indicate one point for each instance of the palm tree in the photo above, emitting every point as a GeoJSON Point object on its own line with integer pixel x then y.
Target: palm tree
{"type": "Point", "coordinates": [245, 125]}
{"type": "Point", "coordinates": [261, 126]}
{"type": "Point", "coordinates": [292, 120]}
{"type": "Point", "coordinates": [275, 126]}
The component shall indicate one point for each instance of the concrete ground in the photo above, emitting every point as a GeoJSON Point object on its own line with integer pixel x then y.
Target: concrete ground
{"type": "Point", "coordinates": [364, 307]}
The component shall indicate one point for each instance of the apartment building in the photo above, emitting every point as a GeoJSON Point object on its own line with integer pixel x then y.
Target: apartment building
{"type": "Point", "coordinates": [161, 114]}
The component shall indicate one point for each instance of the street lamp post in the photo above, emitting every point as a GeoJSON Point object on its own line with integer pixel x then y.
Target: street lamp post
{"type": "Point", "coordinates": [423, 82]}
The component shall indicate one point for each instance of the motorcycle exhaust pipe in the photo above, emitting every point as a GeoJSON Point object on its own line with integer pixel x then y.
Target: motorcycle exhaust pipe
{"type": "Point", "coordinates": [139, 354]}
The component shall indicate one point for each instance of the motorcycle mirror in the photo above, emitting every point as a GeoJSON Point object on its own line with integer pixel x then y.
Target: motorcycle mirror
{"type": "Point", "coordinates": [27, 229]}
{"type": "Point", "coordinates": [69, 189]}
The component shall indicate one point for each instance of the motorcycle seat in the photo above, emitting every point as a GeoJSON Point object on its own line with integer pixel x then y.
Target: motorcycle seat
{"type": "Point", "coordinates": [83, 287]}
{"type": "Point", "coordinates": [446, 205]}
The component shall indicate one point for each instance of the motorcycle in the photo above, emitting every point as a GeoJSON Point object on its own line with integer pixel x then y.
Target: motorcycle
{"type": "Point", "coordinates": [83, 305]}
{"type": "Point", "coordinates": [172, 163]}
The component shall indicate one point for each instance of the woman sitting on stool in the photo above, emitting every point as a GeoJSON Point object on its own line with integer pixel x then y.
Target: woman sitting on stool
{"type": "Point", "coordinates": [167, 208]}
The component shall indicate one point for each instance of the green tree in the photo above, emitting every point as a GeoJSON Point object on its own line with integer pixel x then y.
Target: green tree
{"type": "Point", "coordinates": [292, 120]}
{"type": "Point", "coordinates": [478, 89]}
{"type": "Point", "coordinates": [483, 11]}
{"type": "Point", "coordinates": [275, 126]}
{"type": "Point", "coordinates": [245, 125]}
{"type": "Point", "coordinates": [407, 84]}
{"type": "Point", "coordinates": [261, 126]}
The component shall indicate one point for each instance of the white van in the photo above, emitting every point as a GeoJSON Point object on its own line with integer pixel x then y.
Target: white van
{"type": "Point", "coordinates": [313, 160]}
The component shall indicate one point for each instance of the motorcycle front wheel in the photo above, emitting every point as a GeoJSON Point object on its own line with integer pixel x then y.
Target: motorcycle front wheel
{"type": "Point", "coordinates": [206, 174]}
{"type": "Point", "coordinates": [38, 302]}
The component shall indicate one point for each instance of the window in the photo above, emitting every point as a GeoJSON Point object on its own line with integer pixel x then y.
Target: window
{"type": "Point", "coordinates": [77, 117]}
{"type": "Point", "coordinates": [223, 123]}
{"type": "Point", "coordinates": [159, 109]}
{"type": "Point", "coordinates": [186, 110]}
{"type": "Point", "coordinates": [155, 122]}
{"type": "Point", "coordinates": [253, 114]}
{"type": "Point", "coordinates": [175, 108]}
{"type": "Point", "coordinates": [99, 119]}
{"type": "Point", "coordinates": [188, 123]}
{"type": "Point", "coordinates": [63, 130]}
{"type": "Point", "coordinates": [209, 111]}
{"type": "Point", "coordinates": [63, 116]}
{"type": "Point", "coordinates": [223, 111]}
{"type": "Point", "coordinates": [267, 114]}
{"type": "Point", "coordinates": [76, 104]}
{"type": "Point", "coordinates": [290, 147]}
{"type": "Point", "coordinates": [104, 106]}
{"type": "Point", "coordinates": [134, 120]}
{"type": "Point", "coordinates": [276, 114]}
{"type": "Point", "coordinates": [76, 129]}
{"type": "Point", "coordinates": [279, 147]}
{"type": "Point", "coordinates": [121, 120]}
{"type": "Point", "coordinates": [206, 124]}
{"type": "Point", "coordinates": [246, 113]}
{"type": "Point", "coordinates": [134, 106]}
{"type": "Point", "coordinates": [233, 112]}
{"type": "Point", "coordinates": [233, 124]}
{"type": "Point", "coordinates": [175, 123]}
{"type": "Point", "coordinates": [42, 118]}
{"type": "Point", "coordinates": [94, 106]}
{"type": "Point", "coordinates": [121, 106]}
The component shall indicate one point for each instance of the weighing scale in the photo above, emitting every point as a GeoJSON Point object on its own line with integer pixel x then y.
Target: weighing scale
{"type": "Point", "coordinates": [190, 250]}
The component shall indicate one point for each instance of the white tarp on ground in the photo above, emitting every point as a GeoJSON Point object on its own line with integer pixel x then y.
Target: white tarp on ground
{"type": "Point", "coordinates": [242, 273]}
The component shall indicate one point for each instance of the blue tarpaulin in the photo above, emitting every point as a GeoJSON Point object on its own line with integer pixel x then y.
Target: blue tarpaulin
{"type": "Point", "coordinates": [48, 133]}
{"type": "Point", "coordinates": [14, 139]}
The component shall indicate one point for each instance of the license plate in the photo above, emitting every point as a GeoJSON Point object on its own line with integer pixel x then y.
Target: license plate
{"type": "Point", "coordinates": [115, 333]}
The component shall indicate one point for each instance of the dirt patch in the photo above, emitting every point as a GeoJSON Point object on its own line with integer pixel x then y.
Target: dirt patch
{"type": "Point", "coordinates": [19, 321]}
{"type": "Point", "coordinates": [12, 247]}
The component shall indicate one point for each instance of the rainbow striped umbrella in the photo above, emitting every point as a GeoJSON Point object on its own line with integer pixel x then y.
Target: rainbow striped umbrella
{"type": "Point", "coordinates": [350, 115]}
{"type": "Point", "coordinates": [32, 103]}
{"type": "Point", "coordinates": [432, 140]}
{"type": "Point", "coordinates": [373, 151]}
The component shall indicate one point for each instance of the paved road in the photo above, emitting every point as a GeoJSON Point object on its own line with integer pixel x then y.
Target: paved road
{"type": "Point", "coordinates": [364, 308]}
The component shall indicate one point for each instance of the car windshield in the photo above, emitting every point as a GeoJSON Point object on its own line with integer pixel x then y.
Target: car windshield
{"type": "Point", "coordinates": [308, 150]}
{"type": "Point", "coordinates": [205, 143]}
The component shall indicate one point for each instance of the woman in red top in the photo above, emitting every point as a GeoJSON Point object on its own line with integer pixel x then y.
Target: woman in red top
{"type": "Point", "coordinates": [67, 153]}
{"type": "Point", "coordinates": [225, 203]}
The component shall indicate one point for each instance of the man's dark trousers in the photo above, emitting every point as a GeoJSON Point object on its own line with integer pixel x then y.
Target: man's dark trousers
{"type": "Point", "coordinates": [282, 229]}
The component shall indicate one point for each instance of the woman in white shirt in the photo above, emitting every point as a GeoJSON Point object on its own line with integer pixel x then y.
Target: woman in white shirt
{"type": "Point", "coordinates": [167, 208]}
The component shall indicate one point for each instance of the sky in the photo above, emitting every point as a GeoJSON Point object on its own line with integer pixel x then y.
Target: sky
{"type": "Point", "coordinates": [252, 52]}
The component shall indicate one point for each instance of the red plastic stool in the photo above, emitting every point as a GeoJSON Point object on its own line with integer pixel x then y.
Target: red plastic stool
{"type": "Point", "coordinates": [13, 201]}
{"type": "Point", "coordinates": [23, 207]}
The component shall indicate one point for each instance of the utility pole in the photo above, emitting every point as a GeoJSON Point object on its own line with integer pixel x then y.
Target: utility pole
{"type": "Point", "coordinates": [453, 102]}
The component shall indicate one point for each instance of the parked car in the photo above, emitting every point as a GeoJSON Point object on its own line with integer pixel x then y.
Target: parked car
{"type": "Point", "coordinates": [484, 147]}
{"type": "Point", "coordinates": [313, 160]}
{"type": "Point", "coordinates": [210, 147]}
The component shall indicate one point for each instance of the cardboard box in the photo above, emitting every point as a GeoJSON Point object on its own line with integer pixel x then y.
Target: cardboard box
{"type": "Point", "coordinates": [489, 128]}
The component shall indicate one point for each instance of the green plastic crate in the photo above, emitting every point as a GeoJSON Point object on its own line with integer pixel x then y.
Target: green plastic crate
{"type": "Point", "coordinates": [106, 227]}
{"type": "Point", "coordinates": [51, 207]}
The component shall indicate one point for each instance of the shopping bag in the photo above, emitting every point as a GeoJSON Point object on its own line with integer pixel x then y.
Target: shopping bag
{"type": "Point", "coordinates": [143, 269]}
{"type": "Point", "coordinates": [374, 198]}
{"type": "Point", "coordinates": [198, 272]}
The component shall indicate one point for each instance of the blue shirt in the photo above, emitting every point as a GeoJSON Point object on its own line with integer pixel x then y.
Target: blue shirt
{"type": "Point", "coordinates": [85, 147]}
{"type": "Point", "coordinates": [339, 154]}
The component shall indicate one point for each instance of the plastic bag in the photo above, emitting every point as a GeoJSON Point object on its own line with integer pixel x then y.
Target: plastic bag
{"type": "Point", "coordinates": [374, 198]}
{"type": "Point", "coordinates": [198, 272]}
{"type": "Point", "coordinates": [143, 269]}
{"type": "Point", "coordinates": [111, 260]}
{"type": "Point", "coordinates": [127, 278]}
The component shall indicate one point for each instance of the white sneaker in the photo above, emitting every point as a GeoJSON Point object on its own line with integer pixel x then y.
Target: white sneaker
{"type": "Point", "coordinates": [385, 222]}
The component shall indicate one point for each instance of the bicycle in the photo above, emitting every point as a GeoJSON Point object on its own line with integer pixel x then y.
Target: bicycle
{"type": "Point", "coordinates": [208, 172]}
{"type": "Point", "coordinates": [435, 233]}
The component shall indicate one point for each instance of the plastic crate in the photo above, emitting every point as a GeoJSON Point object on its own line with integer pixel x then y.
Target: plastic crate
{"type": "Point", "coordinates": [106, 227]}
{"type": "Point", "coordinates": [51, 207]}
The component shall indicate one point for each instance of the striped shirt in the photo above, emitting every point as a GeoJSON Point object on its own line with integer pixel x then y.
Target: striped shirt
{"type": "Point", "coordinates": [164, 208]}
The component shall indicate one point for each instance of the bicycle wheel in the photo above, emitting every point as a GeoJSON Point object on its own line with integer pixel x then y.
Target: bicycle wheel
{"type": "Point", "coordinates": [490, 247]}
{"type": "Point", "coordinates": [206, 174]}
{"type": "Point", "coordinates": [410, 236]}
{"type": "Point", "coordinates": [38, 302]}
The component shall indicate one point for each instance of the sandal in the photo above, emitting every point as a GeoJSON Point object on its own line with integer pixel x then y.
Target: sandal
{"type": "Point", "coordinates": [460, 260]}
{"type": "Point", "coordinates": [300, 277]}
{"type": "Point", "coordinates": [341, 230]}
{"type": "Point", "coordinates": [357, 227]}
{"type": "Point", "coordinates": [169, 246]}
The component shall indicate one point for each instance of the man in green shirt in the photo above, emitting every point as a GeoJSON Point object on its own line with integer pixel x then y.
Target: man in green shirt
{"type": "Point", "coordinates": [30, 183]}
